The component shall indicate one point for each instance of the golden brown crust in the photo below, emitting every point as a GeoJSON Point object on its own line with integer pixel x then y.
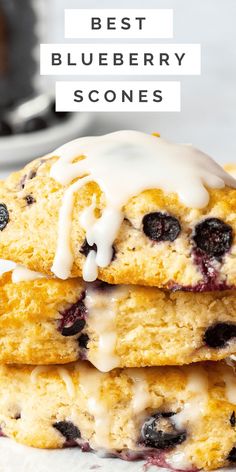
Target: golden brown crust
{"type": "Point", "coordinates": [30, 404]}
{"type": "Point", "coordinates": [31, 234]}
{"type": "Point", "coordinates": [152, 327]}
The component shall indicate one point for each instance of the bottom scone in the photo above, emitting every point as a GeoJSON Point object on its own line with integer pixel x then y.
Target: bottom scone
{"type": "Point", "coordinates": [177, 417]}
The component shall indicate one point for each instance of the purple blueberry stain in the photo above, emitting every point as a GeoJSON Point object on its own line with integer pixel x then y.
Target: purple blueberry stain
{"type": "Point", "coordinates": [161, 227]}
{"type": "Point", "coordinates": [218, 335]}
{"type": "Point", "coordinates": [232, 455]}
{"type": "Point", "coordinates": [4, 216]}
{"type": "Point", "coordinates": [69, 431]}
{"type": "Point", "coordinates": [213, 237]}
{"type": "Point", "coordinates": [207, 267]}
{"type": "Point", "coordinates": [73, 318]}
{"type": "Point", "coordinates": [159, 432]}
{"type": "Point", "coordinates": [233, 420]}
{"type": "Point", "coordinates": [83, 341]}
{"type": "Point", "coordinates": [100, 286]}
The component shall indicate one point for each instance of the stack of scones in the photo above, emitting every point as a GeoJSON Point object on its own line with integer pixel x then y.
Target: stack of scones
{"type": "Point", "coordinates": [118, 302]}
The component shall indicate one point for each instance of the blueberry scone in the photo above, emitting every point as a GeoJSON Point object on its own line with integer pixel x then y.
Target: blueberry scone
{"type": "Point", "coordinates": [231, 169]}
{"type": "Point", "coordinates": [46, 321]}
{"type": "Point", "coordinates": [124, 208]}
{"type": "Point", "coordinates": [177, 417]}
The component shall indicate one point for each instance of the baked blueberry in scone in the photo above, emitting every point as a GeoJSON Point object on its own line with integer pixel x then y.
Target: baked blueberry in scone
{"type": "Point", "coordinates": [126, 208]}
{"type": "Point", "coordinates": [182, 418]}
{"type": "Point", "coordinates": [46, 321]}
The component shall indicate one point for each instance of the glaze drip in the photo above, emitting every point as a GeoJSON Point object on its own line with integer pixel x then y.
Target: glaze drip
{"type": "Point", "coordinates": [124, 164]}
{"type": "Point", "coordinates": [62, 372]}
{"type": "Point", "coordinates": [19, 272]}
{"type": "Point", "coordinates": [197, 385]}
{"type": "Point", "coordinates": [101, 308]}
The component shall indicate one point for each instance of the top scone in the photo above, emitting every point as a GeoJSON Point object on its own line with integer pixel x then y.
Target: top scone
{"type": "Point", "coordinates": [96, 207]}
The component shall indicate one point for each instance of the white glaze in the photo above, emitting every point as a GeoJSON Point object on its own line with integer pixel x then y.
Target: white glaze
{"type": "Point", "coordinates": [124, 164]}
{"type": "Point", "coordinates": [6, 266]}
{"type": "Point", "coordinates": [41, 369]}
{"type": "Point", "coordinates": [230, 387]}
{"type": "Point", "coordinates": [198, 387]}
{"type": "Point", "coordinates": [101, 320]}
{"type": "Point", "coordinates": [90, 383]}
{"type": "Point", "coordinates": [62, 372]}
{"type": "Point", "coordinates": [232, 171]}
{"type": "Point", "coordinates": [22, 274]}
{"type": "Point", "coordinates": [19, 272]}
{"type": "Point", "coordinates": [141, 397]}
{"type": "Point", "coordinates": [87, 217]}
{"type": "Point", "coordinates": [90, 268]}
{"type": "Point", "coordinates": [179, 460]}
{"type": "Point", "coordinates": [66, 377]}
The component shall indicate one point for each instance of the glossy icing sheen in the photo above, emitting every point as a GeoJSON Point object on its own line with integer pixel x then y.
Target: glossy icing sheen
{"type": "Point", "coordinates": [110, 161]}
{"type": "Point", "coordinates": [19, 272]}
{"type": "Point", "coordinates": [101, 309]}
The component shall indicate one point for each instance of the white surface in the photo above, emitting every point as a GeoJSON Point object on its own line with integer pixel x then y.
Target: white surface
{"type": "Point", "coordinates": [17, 458]}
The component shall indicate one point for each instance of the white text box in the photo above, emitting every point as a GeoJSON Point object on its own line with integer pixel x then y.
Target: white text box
{"type": "Point", "coordinates": [118, 23]}
{"type": "Point", "coordinates": [124, 59]}
{"type": "Point", "coordinates": [118, 96]}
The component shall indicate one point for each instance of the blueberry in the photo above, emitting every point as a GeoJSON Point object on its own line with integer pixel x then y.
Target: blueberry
{"type": "Point", "coordinates": [34, 124]}
{"type": "Point", "coordinates": [233, 420]}
{"type": "Point", "coordinates": [86, 248]}
{"type": "Point", "coordinates": [5, 129]}
{"type": "Point", "coordinates": [4, 216]}
{"type": "Point", "coordinates": [101, 286]}
{"type": "Point", "coordinates": [17, 416]}
{"type": "Point", "coordinates": [83, 341]}
{"type": "Point", "coordinates": [161, 227]}
{"type": "Point", "coordinates": [219, 334]}
{"type": "Point", "coordinates": [73, 319]}
{"type": "Point", "coordinates": [29, 199]}
{"type": "Point", "coordinates": [67, 429]}
{"type": "Point", "coordinates": [213, 236]}
{"type": "Point", "coordinates": [159, 432]}
{"type": "Point", "coordinates": [232, 455]}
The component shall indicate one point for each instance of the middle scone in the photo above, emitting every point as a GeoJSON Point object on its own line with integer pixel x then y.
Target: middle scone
{"type": "Point", "coordinates": [46, 321]}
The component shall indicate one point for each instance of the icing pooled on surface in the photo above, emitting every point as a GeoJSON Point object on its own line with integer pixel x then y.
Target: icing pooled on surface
{"type": "Point", "coordinates": [230, 387]}
{"type": "Point", "coordinates": [197, 385]}
{"type": "Point", "coordinates": [62, 372]}
{"type": "Point", "coordinates": [101, 319]}
{"type": "Point", "coordinates": [20, 273]}
{"type": "Point", "coordinates": [90, 384]}
{"type": "Point", "coordinates": [124, 164]}
{"type": "Point", "coordinates": [141, 397]}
